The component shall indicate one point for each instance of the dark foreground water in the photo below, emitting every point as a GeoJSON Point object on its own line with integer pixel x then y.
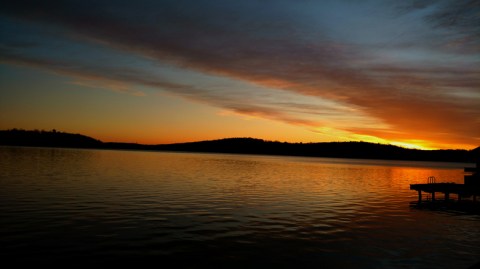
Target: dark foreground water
{"type": "Point", "coordinates": [71, 207]}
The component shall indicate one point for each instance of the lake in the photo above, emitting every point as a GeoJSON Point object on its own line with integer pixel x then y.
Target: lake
{"type": "Point", "coordinates": [99, 207]}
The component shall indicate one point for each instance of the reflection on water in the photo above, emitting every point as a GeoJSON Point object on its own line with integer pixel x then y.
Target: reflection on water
{"type": "Point", "coordinates": [241, 211]}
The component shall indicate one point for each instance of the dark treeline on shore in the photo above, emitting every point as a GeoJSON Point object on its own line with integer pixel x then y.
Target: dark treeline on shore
{"type": "Point", "coordinates": [354, 150]}
{"type": "Point", "coordinates": [359, 150]}
{"type": "Point", "coordinates": [41, 138]}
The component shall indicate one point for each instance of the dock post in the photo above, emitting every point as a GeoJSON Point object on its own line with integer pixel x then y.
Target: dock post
{"type": "Point", "coordinates": [419, 196]}
{"type": "Point", "coordinates": [433, 196]}
{"type": "Point", "coordinates": [447, 196]}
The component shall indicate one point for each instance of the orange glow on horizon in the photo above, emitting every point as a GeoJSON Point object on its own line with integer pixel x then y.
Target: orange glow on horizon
{"type": "Point", "coordinates": [152, 139]}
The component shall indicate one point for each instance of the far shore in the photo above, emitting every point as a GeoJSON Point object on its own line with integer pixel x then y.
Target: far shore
{"type": "Point", "coordinates": [350, 150]}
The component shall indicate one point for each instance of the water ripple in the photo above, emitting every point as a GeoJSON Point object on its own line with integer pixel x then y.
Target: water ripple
{"type": "Point", "coordinates": [233, 210]}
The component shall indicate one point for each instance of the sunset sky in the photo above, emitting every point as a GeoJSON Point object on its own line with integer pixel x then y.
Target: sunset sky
{"type": "Point", "coordinates": [399, 72]}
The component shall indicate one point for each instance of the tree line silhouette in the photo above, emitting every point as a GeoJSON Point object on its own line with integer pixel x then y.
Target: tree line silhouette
{"type": "Point", "coordinates": [357, 150]}
{"type": "Point", "coordinates": [41, 138]}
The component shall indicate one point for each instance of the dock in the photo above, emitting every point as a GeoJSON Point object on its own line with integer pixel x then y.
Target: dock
{"type": "Point", "coordinates": [470, 188]}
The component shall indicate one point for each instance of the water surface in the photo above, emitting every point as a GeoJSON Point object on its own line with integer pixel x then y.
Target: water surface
{"type": "Point", "coordinates": [218, 210]}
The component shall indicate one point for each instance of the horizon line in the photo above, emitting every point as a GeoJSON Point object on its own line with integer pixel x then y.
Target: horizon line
{"type": "Point", "coordinates": [234, 137]}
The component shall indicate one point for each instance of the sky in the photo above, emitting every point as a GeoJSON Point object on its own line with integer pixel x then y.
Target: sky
{"type": "Point", "coordinates": [397, 72]}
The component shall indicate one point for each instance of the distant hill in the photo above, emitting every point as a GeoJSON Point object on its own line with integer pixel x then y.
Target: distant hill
{"type": "Point", "coordinates": [41, 138]}
{"type": "Point", "coordinates": [355, 150]}
{"type": "Point", "coordinates": [358, 150]}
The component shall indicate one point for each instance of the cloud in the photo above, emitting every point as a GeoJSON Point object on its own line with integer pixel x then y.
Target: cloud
{"type": "Point", "coordinates": [124, 80]}
{"type": "Point", "coordinates": [115, 86]}
{"type": "Point", "coordinates": [399, 70]}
